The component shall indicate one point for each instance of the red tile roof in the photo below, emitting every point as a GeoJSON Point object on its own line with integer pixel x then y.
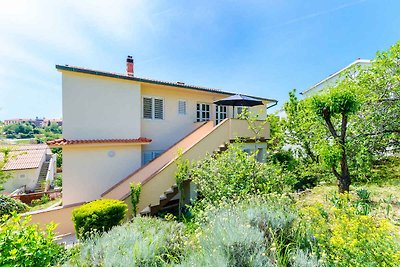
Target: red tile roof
{"type": "Point", "coordinates": [24, 156]}
{"type": "Point", "coordinates": [63, 141]}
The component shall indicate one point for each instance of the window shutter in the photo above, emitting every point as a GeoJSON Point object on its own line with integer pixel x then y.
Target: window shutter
{"type": "Point", "coordinates": [182, 107]}
{"type": "Point", "coordinates": [147, 108]}
{"type": "Point", "coordinates": [158, 108]}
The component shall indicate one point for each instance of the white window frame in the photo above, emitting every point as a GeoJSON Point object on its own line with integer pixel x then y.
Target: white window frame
{"type": "Point", "coordinates": [219, 112]}
{"type": "Point", "coordinates": [153, 111]}
{"type": "Point", "coordinates": [200, 111]}
{"type": "Point", "coordinates": [184, 107]}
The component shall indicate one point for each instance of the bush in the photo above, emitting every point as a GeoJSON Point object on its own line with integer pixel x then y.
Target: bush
{"type": "Point", "coordinates": [98, 216]}
{"type": "Point", "coordinates": [43, 200]}
{"type": "Point", "coordinates": [234, 174]}
{"type": "Point", "coordinates": [136, 189]}
{"type": "Point", "coordinates": [258, 231]}
{"type": "Point", "coordinates": [24, 244]}
{"type": "Point", "coordinates": [343, 237]}
{"type": "Point", "coordinates": [8, 205]}
{"type": "Point", "coordinates": [36, 202]}
{"type": "Point", "coordinates": [58, 180]}
{"type": "Point", "coordinates": [142, 242]}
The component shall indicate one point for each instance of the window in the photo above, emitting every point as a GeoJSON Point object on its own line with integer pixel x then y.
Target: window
{"type": "Point", "coordinates": [150, 155]}
{"type": "Point", "coordinates": [203, 112]}
{"type": "Point", "coordinates": [221, 113]}
{"type": "Point", "coordinates": [182, 107]}
{"type": "Point", "coordinates": [153, 108]}
{"type": "Point", "coordinates": [147, 108]}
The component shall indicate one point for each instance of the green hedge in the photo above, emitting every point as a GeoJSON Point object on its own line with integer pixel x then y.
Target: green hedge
{"type": "Point", "coordinates": [8, 205]}
{"type": "Point", "coordinates": [98, 216]}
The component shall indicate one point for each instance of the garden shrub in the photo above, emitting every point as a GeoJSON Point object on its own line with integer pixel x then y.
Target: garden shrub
{"type": "Point", "coordinates": [228, 240]}
{"type": "Point", "coordinates": [98, 216]}
{"type": "Point", "coordinates": [143, 242]}
{"type": "Point", "coordinates": [257, 231]}
{"type": "Point", "coordinates": [340, 236]}
{"type": "Point", "coordinates": [136, 189]}
{"type": "Point", "coordinates": [36, 202]}
{"type": "Point", "coordinates": [24, 244]}
{"type": "Point", "coordinates": [58, 180]}
{"type": "Point", "coordinates": [234, 174]}
{"type": "Point", "coordinates": [9, 204]}
{"type": "Point", "coordinates": [43, 200]}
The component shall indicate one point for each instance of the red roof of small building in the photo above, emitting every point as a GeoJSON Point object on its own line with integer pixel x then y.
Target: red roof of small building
{"type": "Point", "coordinates": [63, 141]}
{"type": "Point", "coordinates": [23, 157]}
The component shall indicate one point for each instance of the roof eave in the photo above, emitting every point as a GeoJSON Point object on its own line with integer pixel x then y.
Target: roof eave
{"type": "Point", "coordinates": [364, 61]}
{"type": "Point", "coordinates": [143, 80]}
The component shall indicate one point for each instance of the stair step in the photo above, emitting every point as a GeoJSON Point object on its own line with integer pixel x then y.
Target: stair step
{"type": "Point", "coordinates": [146, 211]}
{"type": "Point", "coordinates": [169, 191]}
{"type": "Point", "coordinates": [163, 197]}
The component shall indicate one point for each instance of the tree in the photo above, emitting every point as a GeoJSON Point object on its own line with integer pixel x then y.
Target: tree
{"type": "Point", "coordinates": [378, 122]}
{"type": "Point", "coordinates": [4, 176]}
{"type": "Point", "coordinates": [348, 126]}
{"type": "Point", "coordinates": [18, 130]}
{"type": "Point", "coordinates": [54, 128]}
{"type": "Point", "coordinates": [301, 130]}
{"type": "Point", "coordinates": [335, 106]}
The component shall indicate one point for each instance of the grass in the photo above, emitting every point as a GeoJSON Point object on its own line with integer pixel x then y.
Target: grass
{"type": "Point", "coordinates": [378, 192]}
{"type": "Point", "coordinates": [47, 205]}
{"type": "Point", "coordinates": [384, 198]}
{"type": "Point", "coordinates": [23, 141]}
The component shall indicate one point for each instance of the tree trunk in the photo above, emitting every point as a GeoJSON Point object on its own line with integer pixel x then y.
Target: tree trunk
{"type": "Point", "coordinates": [343, 177]}
{"type": "Point", "coordinates": [344, 184]}
{"type": "Point", "coordinates": [344, 180]}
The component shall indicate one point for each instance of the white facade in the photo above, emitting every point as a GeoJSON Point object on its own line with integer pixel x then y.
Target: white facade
{"type": "Point", "coordinates": [332, 79]}
{"type": "Point", "coordinates": [88, 171]}
{"type": "Point", "coordinates": [28, 177]}
{"type": "Point", "coordinates": [20, 178]}
{"type": "Point", "coordinates": [101, 106]}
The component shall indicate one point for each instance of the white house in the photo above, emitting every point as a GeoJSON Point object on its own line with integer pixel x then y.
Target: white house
{"type": "Point", "coordinates": [120, 129]}
{"type": "Point", "coordinates": [333, 78]}
{"type": "Point", "coordinates": [28, 167]}
{"type": "Point", "coordinates": [115, 125]}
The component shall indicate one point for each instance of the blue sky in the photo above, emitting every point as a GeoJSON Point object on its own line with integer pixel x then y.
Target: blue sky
{"type": "Point", "coordinates": [264, 48]}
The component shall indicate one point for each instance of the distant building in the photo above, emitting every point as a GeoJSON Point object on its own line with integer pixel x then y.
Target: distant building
{"type": "Point", "coordinates": [39, 122]}
{"type": "Point", "coordinates": [14, 121]}
{"type": "Point", "coordinates": [29, 166]}
{"type": "Point", "coordinates": [47, 122]}
{"type": "Point", "coordinates": [333, 78]}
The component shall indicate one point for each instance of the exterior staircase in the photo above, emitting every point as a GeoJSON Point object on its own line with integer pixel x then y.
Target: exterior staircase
{"type": "Point", "coordinates": [42, 176]}
{"type": "Point", "coordinates": [158, 176]}
{"type": "Point", "coordinates": [166, 197]}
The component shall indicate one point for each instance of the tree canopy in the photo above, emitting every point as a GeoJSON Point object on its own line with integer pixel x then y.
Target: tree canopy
{"type": "Point", "coordinates": [346, 127]}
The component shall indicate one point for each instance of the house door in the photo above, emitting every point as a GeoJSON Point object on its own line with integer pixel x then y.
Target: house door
{"type": "Point", "coordinates": [221, 113]}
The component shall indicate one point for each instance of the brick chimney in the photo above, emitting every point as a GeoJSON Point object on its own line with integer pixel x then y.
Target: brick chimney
{"type": "Point", "coordinates": [129, 66]}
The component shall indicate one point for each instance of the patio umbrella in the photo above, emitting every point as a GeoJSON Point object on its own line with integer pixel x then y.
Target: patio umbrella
{"type": "Point", "coordinates": [239, 100]}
